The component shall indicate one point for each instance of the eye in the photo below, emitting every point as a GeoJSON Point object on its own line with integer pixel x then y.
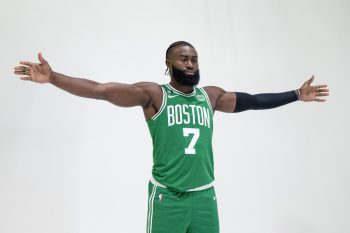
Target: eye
{"type": "Point", "coordinates": [183, 59]}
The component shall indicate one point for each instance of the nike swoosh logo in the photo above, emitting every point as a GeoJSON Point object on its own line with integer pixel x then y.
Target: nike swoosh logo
{"type": "Point", "coordinates": [214, 198]}
{"type": "Point", "coordinates": [172, 96]}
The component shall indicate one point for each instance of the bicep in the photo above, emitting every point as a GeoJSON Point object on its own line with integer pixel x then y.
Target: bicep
{"type": "Point", "coordinates": [123, 95]}
{"type": "Point", "coordinates": [226, 102]}
{"type": "Point", "coordinates": [220, 99]}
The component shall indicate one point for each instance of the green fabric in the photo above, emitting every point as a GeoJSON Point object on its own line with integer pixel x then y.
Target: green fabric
{"type": "Point", "coordinates": [182, 140]}
{"type": "Point", "coordinates": [182, 212]}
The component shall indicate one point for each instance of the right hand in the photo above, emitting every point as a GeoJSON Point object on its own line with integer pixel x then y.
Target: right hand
{"type": "Point", "coordinates": [35, 72]}
{"type": "Point", "coordinates": [313, 93]}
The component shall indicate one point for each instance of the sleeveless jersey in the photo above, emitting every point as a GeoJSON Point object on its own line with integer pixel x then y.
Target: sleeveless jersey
{"type": "Point", "coordinates": [181, 132]}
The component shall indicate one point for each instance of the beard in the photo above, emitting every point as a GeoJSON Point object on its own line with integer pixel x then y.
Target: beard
{"type": "Point", "coordinates": [182, 78]}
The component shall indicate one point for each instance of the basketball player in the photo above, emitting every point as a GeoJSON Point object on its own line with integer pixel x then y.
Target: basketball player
{"type": "Point", "coordinates": [180, 119]}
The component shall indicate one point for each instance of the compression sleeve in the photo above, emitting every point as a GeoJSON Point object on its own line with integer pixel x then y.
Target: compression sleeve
{"type": "Point", "coordinates": [245, 101]}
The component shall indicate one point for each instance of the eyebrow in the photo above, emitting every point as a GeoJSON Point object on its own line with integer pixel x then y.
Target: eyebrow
{"type": "Point", "coordinates": [183, 55]}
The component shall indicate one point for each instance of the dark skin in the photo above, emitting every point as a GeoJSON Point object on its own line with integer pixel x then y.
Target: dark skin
{"type": "Point", "coordinates": [148, 95]}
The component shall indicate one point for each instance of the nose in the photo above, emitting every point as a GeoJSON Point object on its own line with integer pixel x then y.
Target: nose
{"type": "Point", "coordinates": [190, 65]}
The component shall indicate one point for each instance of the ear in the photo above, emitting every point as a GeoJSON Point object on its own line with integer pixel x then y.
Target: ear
{"type": "Point", "coordinates": [167, 63]}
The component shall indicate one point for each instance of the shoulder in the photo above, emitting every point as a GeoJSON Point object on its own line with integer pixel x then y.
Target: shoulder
{"type": "Point", "coordinates": [155, 93]}
{"type": "Point", "coordinates": [149, 88]}
{"type": "Point", "coordinates": [147, 85]}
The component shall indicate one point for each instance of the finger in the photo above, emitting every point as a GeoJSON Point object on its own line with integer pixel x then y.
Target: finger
{"type": "Point", "coordinates": [19, 72]}
{"type": "Point", "coordinates": [322, 94]}
{"type": "Point", "coordinates": [322, 90]}
{"type": "Point", "coordinates": [26, 78]}
{"type": "Point", "coordinates": [320, 100]}
{"type": "Point", "coordinates": [20, 68]}
{"type": "Point", "coordinates": [41, 59]}
{"type": "Point", "coordinates": [26, 63]}
{"type": "Point", "coordinates": [320, 86]}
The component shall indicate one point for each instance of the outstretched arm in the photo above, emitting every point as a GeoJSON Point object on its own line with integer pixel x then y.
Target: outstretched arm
{"type": "Point", "coordinates": [237, 101]}
{"type": "Point", "coordinates": [124, 95]}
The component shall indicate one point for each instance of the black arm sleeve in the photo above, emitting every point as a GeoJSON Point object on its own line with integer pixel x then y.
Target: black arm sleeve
{"type": "Point", "coordinates": [246, 101]}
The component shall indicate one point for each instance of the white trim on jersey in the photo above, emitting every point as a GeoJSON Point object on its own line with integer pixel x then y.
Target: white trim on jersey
{"type": "Point", "coordinates": [154, 182]}
{"type": "Point", "coordinates": [207, 97]}
{"type": "Point", "coordinates": [181, 93]}
{"type": "Point", "coordinates": [150, 209]}
{"type": "Point", "coordinates": [204, 187]}
{"type": "Point", "coordinates": [162, 106]}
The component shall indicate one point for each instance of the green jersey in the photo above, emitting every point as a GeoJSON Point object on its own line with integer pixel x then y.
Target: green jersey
{"type": "Point", "coordinates": [181, 132]}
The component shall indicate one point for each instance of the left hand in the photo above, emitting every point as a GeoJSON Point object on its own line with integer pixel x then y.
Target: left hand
{"type": "Point", "coordinates": [35, 72]}
{"type": "Point", "coordinates": [312, 93]}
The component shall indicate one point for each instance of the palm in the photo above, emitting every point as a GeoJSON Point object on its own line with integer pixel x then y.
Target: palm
{"type": "Point", "coordinates": [40, 73]}
{"type": "Point", "coordinates": [312, 93]}
{"type": "Point", "coordinates": [36, 72]}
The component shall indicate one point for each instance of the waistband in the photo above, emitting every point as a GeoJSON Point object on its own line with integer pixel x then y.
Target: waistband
{"type": "Point", "coordinates": [204, 187]}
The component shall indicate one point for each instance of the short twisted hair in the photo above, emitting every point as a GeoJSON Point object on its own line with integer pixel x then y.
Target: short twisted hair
{"type": "Point", "coordinates": [176, 44]}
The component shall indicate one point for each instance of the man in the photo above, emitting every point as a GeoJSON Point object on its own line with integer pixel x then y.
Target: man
{"type": "Point", "coordinates": [180, 119]}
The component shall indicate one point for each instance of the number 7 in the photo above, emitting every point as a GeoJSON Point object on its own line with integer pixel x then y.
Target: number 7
{"type": "Point", "coordinates": [190, 150]}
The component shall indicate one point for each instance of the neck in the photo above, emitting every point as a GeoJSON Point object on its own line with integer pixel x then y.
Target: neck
{"type": "Point", "coordinates": [182, 88]}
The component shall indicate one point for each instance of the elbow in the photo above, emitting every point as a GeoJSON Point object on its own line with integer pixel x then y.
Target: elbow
{"type": "Point", "coordinates": [100, 92]}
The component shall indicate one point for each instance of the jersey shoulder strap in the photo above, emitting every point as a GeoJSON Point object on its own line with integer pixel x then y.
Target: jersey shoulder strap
{"type": "Point", "coordinates": [201, 89]}
{"type": "Point", "coordinates": [164, 101]}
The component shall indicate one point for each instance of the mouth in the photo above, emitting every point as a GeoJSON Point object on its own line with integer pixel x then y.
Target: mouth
{"type": "Point", "coordinates": [190, 72]}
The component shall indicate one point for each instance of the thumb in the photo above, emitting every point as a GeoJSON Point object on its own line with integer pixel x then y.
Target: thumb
{"type": "Point", "coordinates": [41, 59]}
{"type": "Point", "coordinates": [310, 80]}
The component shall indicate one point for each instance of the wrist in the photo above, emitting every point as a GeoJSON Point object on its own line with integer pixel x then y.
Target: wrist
{"type": "Point", "coordinates": [52, 77]}
{"type": "Point", "coordinates": [298, 93]}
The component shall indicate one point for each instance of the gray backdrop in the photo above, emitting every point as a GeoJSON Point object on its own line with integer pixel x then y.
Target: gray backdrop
{"type": "Point", "coordinates": [75, 165]}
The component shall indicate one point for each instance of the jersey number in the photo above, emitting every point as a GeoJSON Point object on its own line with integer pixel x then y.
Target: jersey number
{"type": "Point", "coordinates": [190, 150]}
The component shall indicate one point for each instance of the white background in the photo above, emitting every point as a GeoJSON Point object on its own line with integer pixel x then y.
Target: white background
{"type": "Point", "coordinates": [75, 165]}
